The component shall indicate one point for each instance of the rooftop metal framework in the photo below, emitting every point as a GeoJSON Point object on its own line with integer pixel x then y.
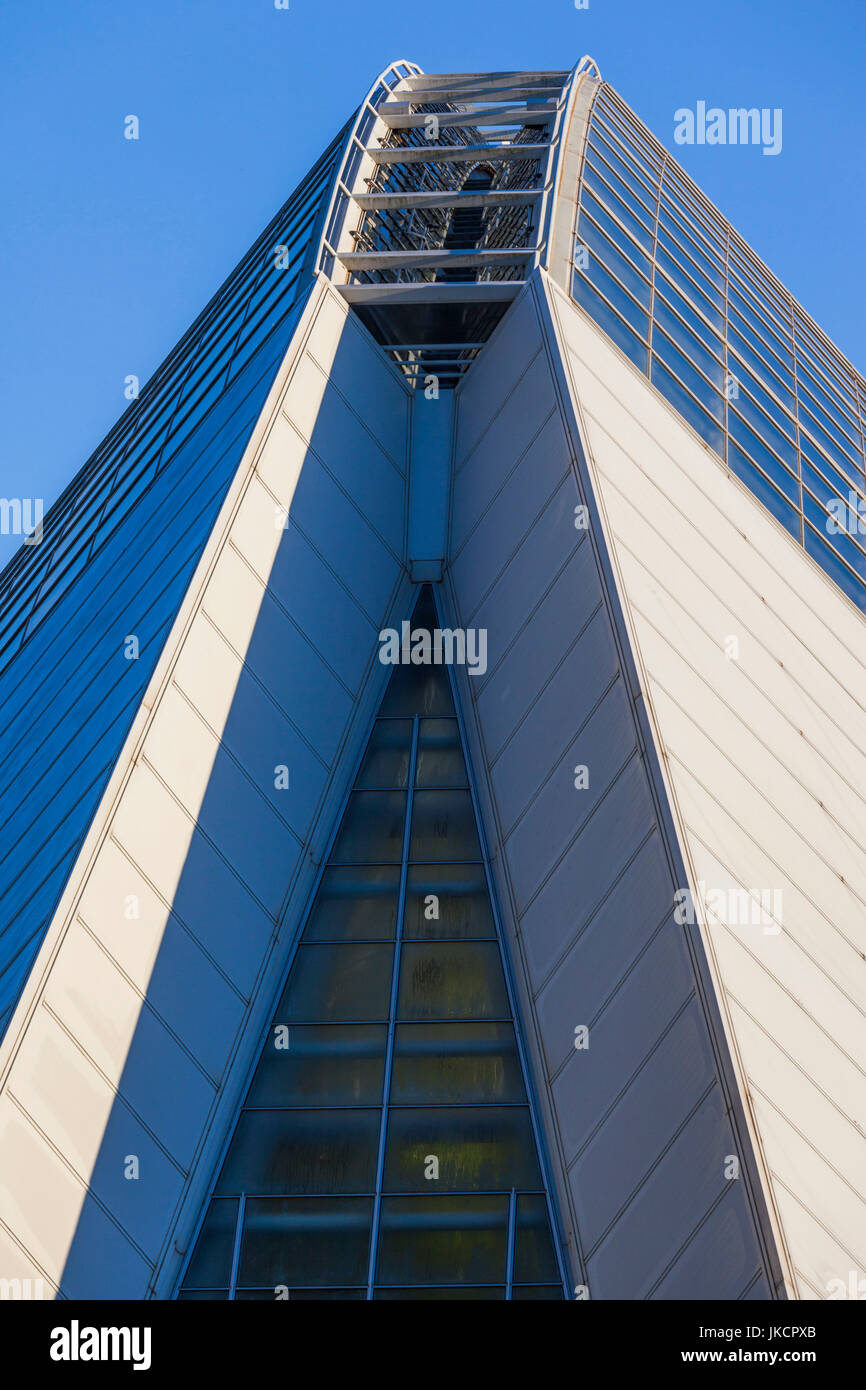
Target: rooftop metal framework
{"type": "Point", "coordinates": [442, 208]}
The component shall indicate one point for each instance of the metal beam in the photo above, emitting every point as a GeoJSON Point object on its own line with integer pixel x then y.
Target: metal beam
{"type": "Point", "coordinates": [455, 154]}
{"type": "Point", "coordinates": [446, 198]}
{"type": "Point", "coordinates": [428, 292]}
{"type": "Point", "coordinates": [484, 115]}
{"type": "Point", "coordinates": [416, 260]}
{"type": "Point", "coordinates": [485, 92]}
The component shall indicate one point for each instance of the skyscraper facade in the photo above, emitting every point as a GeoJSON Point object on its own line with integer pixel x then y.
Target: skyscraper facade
{"type": "Point", "coordinates": [433, 739]}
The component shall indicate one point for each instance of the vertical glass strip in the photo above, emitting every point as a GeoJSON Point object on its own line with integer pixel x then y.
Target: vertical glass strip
{"type": "Point", "coordinates": [388, 1136]}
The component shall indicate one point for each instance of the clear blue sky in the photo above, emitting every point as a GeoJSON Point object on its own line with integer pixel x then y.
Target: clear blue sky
{"type": "Point", "coordinates": [111, 247]}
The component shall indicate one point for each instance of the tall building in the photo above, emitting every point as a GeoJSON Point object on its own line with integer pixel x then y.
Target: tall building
{"type": "Point", "coordinates": [434, 754]}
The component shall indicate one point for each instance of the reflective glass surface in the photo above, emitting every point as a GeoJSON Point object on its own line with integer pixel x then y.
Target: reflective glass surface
{"type": "Point", "coordinates": [385, 1148]}
{"type": "Point", "coordinates": [687, 301]}
{"type": "Point", "coordinates": [118, 551]}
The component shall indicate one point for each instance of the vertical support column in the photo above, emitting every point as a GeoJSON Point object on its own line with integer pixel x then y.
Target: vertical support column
{"type": "Point", "coordinates": [429, 483]}
{"type": "Point", "coordinates": [236, 1248]}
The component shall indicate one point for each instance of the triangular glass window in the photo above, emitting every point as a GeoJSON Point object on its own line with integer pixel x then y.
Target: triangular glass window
{"type": "Point", "coordinates": [385, 1148]}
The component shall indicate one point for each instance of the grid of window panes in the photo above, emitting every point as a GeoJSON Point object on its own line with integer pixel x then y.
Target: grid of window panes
{"type": "Point", "coordinates": [385, 1148]}
{"type": "Point", "coordinates": [118, 552]}
{"type": "Point", "coordinates": [675, 287]}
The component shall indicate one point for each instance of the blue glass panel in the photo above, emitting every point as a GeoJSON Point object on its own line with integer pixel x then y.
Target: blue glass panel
{"type": "Point", "coordinates": [357, 904]}
{"type": "Point", "coordinates": [694, 349]}
{"type": "Point", "coordinates": [533, 1249]}
{"type": "Point", "coordinates": [342, 983]}
{"type": "Point", "coordinates": [448, 901]}
{"type": "Point", "coordinates": [744, 406]}
{"type": "Point", "coordinates": [845, 507]}
{"type": "Point", "coordinates": [827, 445]}
{"type": "Point", "coordinates": [767, 403]}
{"type": "Point", "coordinates": [687, 266]}
{"type": "Point", "coordinates": [743, 350]}
{"type": "Point", "coordinates": [775, 308]}
{"type": "Point", "coordinates": [451, 980]}
{"type": "Point", "coordinates": [666, 295]}
{"type": "Point", "coordinates": [840, 482]}
{"type": "Point", "coordinates": [456, 1063]}
{"type": "Point", "coordinates": [613, 157]}
{"type": "Point", "coordinates": [211, 1264]}
{"type": "Point", "coordinates": [699, 260]}
{"type": "Point", "coordinates": [832, 563]}
{"type": "Point", "coordinates": [614, 292]}
{"type": "Point", "coordinates": [612, 324]}
{"type": "Point", "coordinates": [845, 432]}
{"type": "Point", "coordinates": [766, 341]}
{"type": "Point", "coordinates": [277, 1152]}
{"type": "Point", "coordinates": [828, 525]}
{"type": "Point", "coordinates": [620, 266]}
{"type": "Point", "coordinates": [617, 196]}
{"type": "Point", "coordinates": [440, 757]}
{"type": "Point", "coordinates": [339, 1064]}
{"type": "Point", "coordinates": [690, 291]}
{"type": "Point", "coordinates": [604, 212]}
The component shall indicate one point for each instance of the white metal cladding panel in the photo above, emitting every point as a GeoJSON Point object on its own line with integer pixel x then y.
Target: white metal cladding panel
{"type": "Point", "coordinates": [638, 1124]}
{"type": "Point", "coordinates": [765, 755]}
{"type": "Point", "coordinates": [16, 1265]}
{"type": "Point", "coordinates": [136, 1031]}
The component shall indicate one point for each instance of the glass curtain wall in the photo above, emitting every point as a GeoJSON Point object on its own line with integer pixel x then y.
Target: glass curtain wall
{"type": "Point", "coordinates": [385, 1148]}
{"type": "Point", "coordinates": [683, 296]}
{"type": "Point", "coordinates": [85, 612]}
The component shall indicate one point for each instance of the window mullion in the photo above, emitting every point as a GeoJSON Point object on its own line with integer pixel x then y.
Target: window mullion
{"type": "Point", "coordinates": [392, 1011]}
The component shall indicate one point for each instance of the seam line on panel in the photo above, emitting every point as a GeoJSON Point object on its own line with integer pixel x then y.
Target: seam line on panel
{"type": "Point", "coordinates": [197, 1063]}
{"type": "Point", "coordinates": [223, 749]}
{"type": "Point", "coordinates": [634, 754]}
{"type": "Point", "coordinates": [249, 673]}
{"type": "Point", "coordinates": [503, 484]}
{"type": "Point", "coordinates": [815, 1150]}
{"type": "Point", "coordinates": [460, 463]}
{"type": "Point", "coordinates": [611, 888]}
{"type": "Point", "coordinates": [329, 382]}
{"type": "Point", "coordinates": [87, 1190]}
{"type": "Point", "coordinates": [558, 759]}
{"type": "Point", "coordinates": [715, 921]}
{"type": "Point", "coordinates": [524, 539]}
{"type": "Point", "coordinates": [617, 987]}
{"type": "Point", "coordinates": [277, 602]}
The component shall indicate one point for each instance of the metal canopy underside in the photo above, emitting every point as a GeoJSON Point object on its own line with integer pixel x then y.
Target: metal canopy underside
{"type": "Point", "coordinates": [442, 209]}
